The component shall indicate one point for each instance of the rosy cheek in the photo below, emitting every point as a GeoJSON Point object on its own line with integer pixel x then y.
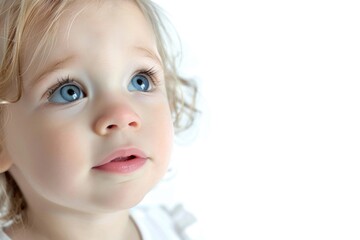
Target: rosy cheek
{"type": "Point", "coordinates": [162, 132]}
{"type": "Point", "coordinates": [56, 155]}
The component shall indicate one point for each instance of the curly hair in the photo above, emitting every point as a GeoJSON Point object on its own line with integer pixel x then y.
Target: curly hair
{"type": "Point", "coordinates": [17, 21]}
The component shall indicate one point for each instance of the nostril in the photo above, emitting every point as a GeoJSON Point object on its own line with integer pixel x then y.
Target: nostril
{"type": "Point", "coordinates": [133, 124]}
{"type": "Point", "coordinates": [111, 126]}
{"type": "Point", "coordinates": [114, 126]}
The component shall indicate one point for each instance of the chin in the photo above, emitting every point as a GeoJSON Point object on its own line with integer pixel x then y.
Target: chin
{"type": "Point", "coordinates": [124, 202]}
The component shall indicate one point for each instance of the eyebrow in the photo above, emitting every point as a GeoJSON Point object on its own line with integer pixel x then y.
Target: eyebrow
{"type": "Point", "coordinates": [150, 54]}
{"type": "Point", "coordinates": [54, 67]}
{"type": "Point", "coordinates": [48, 70]}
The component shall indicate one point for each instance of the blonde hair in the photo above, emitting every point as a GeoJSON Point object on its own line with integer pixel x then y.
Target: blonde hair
{"type": "Point", "coordinates": [18, 18]}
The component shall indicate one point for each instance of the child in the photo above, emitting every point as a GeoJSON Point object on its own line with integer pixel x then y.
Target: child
{"type": "Point", "coordinates": [89, 100]}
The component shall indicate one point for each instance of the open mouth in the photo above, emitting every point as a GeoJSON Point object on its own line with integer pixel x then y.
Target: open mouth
{"type": "Point", "coordinates": [124, 159]}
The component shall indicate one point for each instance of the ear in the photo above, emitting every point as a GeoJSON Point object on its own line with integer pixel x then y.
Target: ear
{"type": "Point", "coordinates": [5, 161]}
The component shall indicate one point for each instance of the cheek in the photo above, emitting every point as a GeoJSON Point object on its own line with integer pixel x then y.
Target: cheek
{"type": "Point", "coordinates": [161, 133]}
{"type": "Point", "coordinates": [51, 156]}
{"type": "Point", "coordinates": [60, 149]}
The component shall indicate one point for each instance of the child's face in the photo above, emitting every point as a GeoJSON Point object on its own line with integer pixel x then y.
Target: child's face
{"type": "Point", "coordinates": [54, 143]}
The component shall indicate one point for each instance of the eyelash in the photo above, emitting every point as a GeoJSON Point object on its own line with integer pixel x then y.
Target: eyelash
{"type": "Point", "coordinates": [61, 82]}
{"type": "Point", "coordinates": [151, 73]}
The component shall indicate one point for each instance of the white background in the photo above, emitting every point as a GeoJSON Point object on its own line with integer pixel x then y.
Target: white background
{"type": "Point", "coordinates": [275, 153]}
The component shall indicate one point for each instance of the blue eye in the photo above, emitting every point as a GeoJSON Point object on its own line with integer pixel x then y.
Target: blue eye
{"type": "Point", "coordinates": [66, 93]}
{"type": "Point", "coordinates": [139, 83]}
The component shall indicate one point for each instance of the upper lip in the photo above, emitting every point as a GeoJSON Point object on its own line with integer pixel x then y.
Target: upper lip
{"type": "Point", "coordinates": [123, 153]}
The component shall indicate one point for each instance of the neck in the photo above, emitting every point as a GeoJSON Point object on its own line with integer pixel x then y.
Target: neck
{"type": "Point", "coordinates": [62, 226]}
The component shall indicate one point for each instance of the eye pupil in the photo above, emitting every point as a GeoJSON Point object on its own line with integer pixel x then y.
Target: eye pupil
{"type": "Point", "coordinates": [140, 83]}
{"type": "Point", "coordinates": [71, 92]}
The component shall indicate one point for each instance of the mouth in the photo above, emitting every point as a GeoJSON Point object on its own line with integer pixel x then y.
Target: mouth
{"type": "Point", "coordinates": [123, 161]}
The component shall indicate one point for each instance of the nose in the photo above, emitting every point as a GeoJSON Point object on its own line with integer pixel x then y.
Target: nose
{"type": "Point", "coordinates": [116, 118]}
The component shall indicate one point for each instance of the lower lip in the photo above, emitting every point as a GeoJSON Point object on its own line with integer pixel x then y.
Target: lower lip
{"type": "Point", "coordinates": [123, 167]}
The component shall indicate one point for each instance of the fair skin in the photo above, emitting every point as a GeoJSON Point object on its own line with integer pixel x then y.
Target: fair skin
{"type": "Point", "coordinates": [51, 148]}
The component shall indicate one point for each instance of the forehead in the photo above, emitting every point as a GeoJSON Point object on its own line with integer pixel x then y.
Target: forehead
{"type": "Point", "coordinates": [108, 25]}
{"type": "Point", "coordinates": [99, 19]}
